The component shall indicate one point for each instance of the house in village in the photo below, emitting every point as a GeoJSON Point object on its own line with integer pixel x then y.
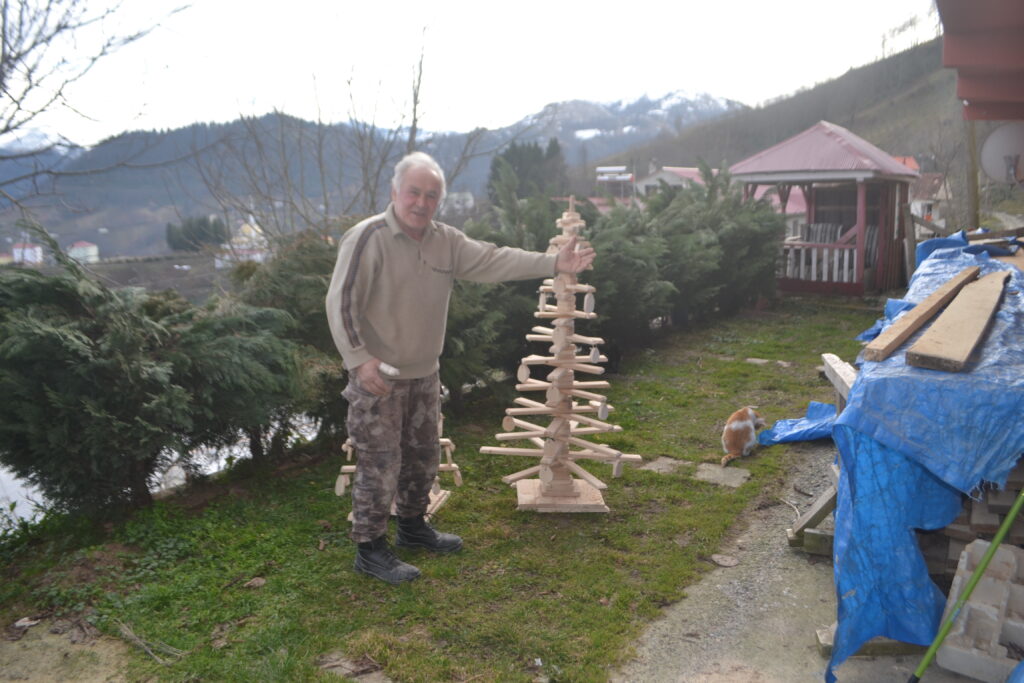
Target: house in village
{"type": "Point", "coordinates": [84, 252]}
{"type": "Point", "coordinates": [248, 244]}
{"type": "Point", "coordinates": [27, 253]}
{"type": "Point", "coordinates": [852, 238]}
{"type": "Point", "coordinates": [929, 199]}
{"type": "Point", "coordinates": [5, 258]}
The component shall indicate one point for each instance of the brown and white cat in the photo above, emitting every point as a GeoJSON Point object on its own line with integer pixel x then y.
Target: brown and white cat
{"type": "Point", "coordinates": [740, 434]}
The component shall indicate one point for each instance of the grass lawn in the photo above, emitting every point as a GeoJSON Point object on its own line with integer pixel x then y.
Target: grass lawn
{"type": "Point", "coordinates": [532, 595]}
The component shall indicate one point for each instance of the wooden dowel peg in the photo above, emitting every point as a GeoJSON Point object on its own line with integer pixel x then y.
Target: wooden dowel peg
{"type": "Point", "coordinates": [502, 450]}
{"type": "Point", "coordinates": [521, 436]}
{"type": "Point", "coordinates": [586, 476]}
{"type": "Point", "coordinates": [523, 372]}
{"type": "Point", "coordinates": [528, 472]}
{"type": "Point", "coordinates": [567, 287]}
{"type": "Point", "coordinates": [596, 447]}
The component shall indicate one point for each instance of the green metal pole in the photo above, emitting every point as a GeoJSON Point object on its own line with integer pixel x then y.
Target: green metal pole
{"type": "Point", "coordinates": [966, 593]}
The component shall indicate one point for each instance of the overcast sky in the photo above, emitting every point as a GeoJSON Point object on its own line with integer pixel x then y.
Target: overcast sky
{"type": "Point", "coordinates": [484, 64]}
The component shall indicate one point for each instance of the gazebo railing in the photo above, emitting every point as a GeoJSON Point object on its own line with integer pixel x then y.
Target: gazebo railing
{"type": "Point", "coordinates": [818, 262]}
{"type": "Point", "coordinates": [827, 253]}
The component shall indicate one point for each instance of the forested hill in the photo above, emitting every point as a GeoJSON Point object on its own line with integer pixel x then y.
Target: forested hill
{"type": "Point", "coordinates": [905, 104]}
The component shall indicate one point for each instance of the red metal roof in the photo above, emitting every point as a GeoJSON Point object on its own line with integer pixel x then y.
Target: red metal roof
{"type": "Point", "coordinates": [984, 41]}
{"type": "Point", "coordinates": [823, 152]}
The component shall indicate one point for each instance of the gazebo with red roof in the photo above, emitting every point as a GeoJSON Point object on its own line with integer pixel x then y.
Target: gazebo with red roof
{"type": "Point", "coordinates": [853, 241]}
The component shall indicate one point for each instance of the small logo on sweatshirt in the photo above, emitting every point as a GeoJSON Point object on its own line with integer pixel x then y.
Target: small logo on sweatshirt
{"type": "Point", "coordinates": [442, 271]}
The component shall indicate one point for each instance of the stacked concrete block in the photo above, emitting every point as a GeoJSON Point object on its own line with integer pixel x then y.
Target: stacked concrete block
{"type": "Point", "coordinates": [987, 638]}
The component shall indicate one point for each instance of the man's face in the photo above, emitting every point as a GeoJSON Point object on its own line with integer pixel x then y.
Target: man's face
{"type": "Point", "coordinates": [417, 198]}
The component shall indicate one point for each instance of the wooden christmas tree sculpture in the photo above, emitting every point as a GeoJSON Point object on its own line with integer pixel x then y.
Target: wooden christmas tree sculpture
{"type": "Point", "coordinates": [574, 409]}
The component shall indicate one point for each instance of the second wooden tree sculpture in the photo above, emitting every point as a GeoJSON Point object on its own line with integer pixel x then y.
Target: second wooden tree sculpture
{"type": "Point", "coordinates": [575, 411]}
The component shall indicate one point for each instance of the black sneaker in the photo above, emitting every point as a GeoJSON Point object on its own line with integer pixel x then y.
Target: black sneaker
{"type": "Point", "coordinates": [415, 532]}
{"type": "Point", "coordinates": [376, 559]}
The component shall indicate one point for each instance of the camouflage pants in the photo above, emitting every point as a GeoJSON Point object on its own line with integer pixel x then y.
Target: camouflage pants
{"type": "Point", "coordinates": [396, 441]}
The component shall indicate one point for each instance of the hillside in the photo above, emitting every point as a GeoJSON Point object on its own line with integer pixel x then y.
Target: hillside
{"type": "Point", "coordinates": [905, 104]}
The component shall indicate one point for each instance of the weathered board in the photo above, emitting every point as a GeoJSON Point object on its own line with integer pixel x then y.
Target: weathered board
{"type": "Point", "coordinates": [911, 321]}
{"type": "Point", "coordinates": [951, 339]}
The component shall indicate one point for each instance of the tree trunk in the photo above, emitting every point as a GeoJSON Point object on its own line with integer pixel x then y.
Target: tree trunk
{"type": "Point", "coordinates": [255, 435]}
{"type": "Point", "coordinates": [139, 482]}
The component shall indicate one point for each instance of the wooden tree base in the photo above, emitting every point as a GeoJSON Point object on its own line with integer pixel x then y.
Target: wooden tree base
{"type": "Point", "coordinates": [530, 498]}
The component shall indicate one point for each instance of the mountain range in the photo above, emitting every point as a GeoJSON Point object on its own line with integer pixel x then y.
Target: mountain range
{"type": "Point", "coordinates": [121, 193]}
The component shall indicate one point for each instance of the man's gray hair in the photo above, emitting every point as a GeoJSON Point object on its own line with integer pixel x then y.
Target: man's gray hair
{"type": "Point", "coordinates": [417, 160]}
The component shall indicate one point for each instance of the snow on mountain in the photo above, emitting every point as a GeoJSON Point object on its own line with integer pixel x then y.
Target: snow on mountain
{"type": "Point", "coordinates": [594, 130]}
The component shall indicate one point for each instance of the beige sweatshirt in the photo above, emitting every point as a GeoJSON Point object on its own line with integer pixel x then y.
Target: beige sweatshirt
{"type": "Point", "coordinates": [388, 298]}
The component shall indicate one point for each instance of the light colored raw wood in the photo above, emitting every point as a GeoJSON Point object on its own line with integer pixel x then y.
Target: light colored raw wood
{"type": "Point", "coordinates": [589, 498]}
{"type": "Point", "coordinates": [551, 360]}
{"type": "Point", "coordinates": [574, 338]}
{"type": "Point", "coordinates": [911, 321]}
{"type": "Point", "coordinates": [502, 450]}
{"type": "Point", "coordinates": [548, 314]}
{"type": "Point", "coordinates": [840, 373]}
{"type": "Point", "coordinates": [560, 483]}
{"type": "Point", "coordinates": [814, 515]}
{"type": "Point", "coordinates": [949, 342]}
{"type": "Point", "coordinates": [528, 472]}
{"type": "Point", "coordinates": [586, 476]}
{"type": "Point", "coordinates": [576, 289]}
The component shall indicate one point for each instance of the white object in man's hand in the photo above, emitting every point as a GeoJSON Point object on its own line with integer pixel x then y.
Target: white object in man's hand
{"type": "Point", "coordinates": [370, 377]}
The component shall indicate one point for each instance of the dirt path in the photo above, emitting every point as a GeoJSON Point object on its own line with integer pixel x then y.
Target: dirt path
{"type": "Point", "coordinates": [756, 622]}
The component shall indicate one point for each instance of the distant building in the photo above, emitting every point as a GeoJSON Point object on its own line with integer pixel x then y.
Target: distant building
{"type": "Point", "coordinates": [248, 244]}
{"type": "Point", "coordinates": [27, 253]}
{"type": "Point", "coordinates": [674, 176]}
{"type": "Point", "coordinates": [929, 195]}
{"type": "Point", "coordinates": [5, 259]}
{"type": "Point", "coordinates": [616, 180]}
{"type": "Point", "coordinates": [84, 252]}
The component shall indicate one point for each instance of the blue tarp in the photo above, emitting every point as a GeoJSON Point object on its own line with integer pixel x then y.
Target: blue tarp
{"type": "Point", "coordinates": [816, 425]}
{"type": "Point", "coordinates": [912, 442]}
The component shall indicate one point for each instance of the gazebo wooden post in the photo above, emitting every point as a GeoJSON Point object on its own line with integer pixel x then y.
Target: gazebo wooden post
{"type": "Point", "coordinates": [882, 242]}
{"type": "Point", "coordinates": [906, 232]}
{"type": "Point", "coordinates": [862, 217]}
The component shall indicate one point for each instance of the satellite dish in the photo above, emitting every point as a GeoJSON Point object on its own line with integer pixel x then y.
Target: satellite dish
{"type": "Point", "coordinates": [1002, 154]}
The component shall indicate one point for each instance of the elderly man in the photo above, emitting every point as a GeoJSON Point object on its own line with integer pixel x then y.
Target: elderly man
{"type": "Point", "coordinates": [387, 306]}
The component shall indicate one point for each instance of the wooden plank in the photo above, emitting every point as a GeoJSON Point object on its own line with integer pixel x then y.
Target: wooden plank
{"type": "Point", "coordinates": [840, 373]}
{"type": "Point", "coordinates": [911, 321]}
{"type": "Point", "coordinates": [879, 646]}
{"type": "Point", "coordinates": [952, 338]}
{"type": "Point", "coordinates": [821, 509]}
{"type": "Point", "coordinates": [818, 542]}
{"type": "Point", "coordinates": [997, 234]}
